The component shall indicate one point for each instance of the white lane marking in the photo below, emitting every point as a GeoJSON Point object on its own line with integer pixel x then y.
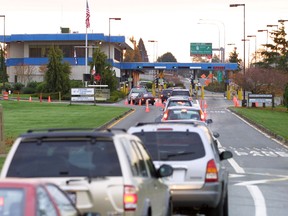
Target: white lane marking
{"type": "Point", "coordinates": [260, 205]}
{"type": "Point", "coordinates": [256, 194]}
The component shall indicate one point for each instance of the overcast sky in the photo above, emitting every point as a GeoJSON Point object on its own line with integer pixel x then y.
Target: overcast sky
{"type": "Point", "coordinates": [173, 23]}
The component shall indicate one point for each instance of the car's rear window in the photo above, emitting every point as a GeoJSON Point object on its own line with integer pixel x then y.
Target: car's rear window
{"type": "Point", "coordinates": [179, 103]}
{"type": "Point", "coordinates": [182, 93]}
{"type": "Point", "coordinates": [175, 114]}
{"type": "Point", "coordinates": [179, 146]}
{"type": "Point", "coordinates": [12, 201]}
{"type": "Point", "coordinates": [65, 158]}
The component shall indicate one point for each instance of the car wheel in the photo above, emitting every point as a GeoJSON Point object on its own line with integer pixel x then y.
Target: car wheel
{"type": "Point", "coordinates": [221, 209]}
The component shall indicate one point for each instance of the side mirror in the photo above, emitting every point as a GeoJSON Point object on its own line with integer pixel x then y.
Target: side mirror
{"type": "Point", "coordinates": [165, 170]}
{"type": "Point", "coordinates": [226, 155]}
{"type": "Point", "coordinates": [216, 134]}
{"type": "Point", "coordinates": [90, 214]}
{"type": "Point", "coordinates": [209, 121]}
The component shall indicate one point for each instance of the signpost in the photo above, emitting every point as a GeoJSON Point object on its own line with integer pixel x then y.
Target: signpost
{"type": "Point", "coordinates": [202, 49]}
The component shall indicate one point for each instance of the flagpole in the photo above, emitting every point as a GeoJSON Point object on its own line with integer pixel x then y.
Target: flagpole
{"type": "Point", "coordinates": [87, 22]}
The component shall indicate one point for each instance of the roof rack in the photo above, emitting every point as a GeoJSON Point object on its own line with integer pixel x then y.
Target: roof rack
{"type": "Point", "coordinates": [194, 123]}
{"type": "Point", "coordinates": [58, 129]}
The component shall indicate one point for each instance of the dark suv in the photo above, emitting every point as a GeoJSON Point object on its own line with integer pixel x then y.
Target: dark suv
{"type": "Point", "coordinates": [109, 172]}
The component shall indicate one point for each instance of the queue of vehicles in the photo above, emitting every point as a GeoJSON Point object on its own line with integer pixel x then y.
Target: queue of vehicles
{"type": "Point", "coordinates": [156, 168]}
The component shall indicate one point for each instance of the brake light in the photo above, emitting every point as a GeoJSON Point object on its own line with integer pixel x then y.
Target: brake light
{"type": "Point", "coordinates": [165, 116]}
{"type": "Point", "coordinates": [211, 172]}
{"type": "Point", "coordinates": [1, 201]}
{"type": "Point", "coordinates": [130, 198]}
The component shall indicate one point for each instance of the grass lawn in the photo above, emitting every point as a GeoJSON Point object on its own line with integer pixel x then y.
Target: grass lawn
{"type": "Point", "coordinates": [20, 116]}
{"type": "Point", "coordinates": [275, 120]}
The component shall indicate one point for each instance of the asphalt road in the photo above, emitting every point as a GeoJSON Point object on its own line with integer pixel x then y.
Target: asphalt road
{"type": "Point", "coordinates": [259, 168]}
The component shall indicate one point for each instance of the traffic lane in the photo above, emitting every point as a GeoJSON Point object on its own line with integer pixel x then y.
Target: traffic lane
{"type": "Point", "coordinates": [139, 114]}
{"type": "Point", "coordinates": [263, 160]}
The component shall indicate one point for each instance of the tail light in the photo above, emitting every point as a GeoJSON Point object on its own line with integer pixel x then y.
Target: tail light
{"type": "Point", "coordinates": [1, 201]}
{"type": "Point", "coordinates": [165, 116]}
{"type": "Point", "coordinates": [130, 198]}
{"type": "Point", "coordinates": [211, 172]}
{"type": "Point", "coordinates": [202, 116]}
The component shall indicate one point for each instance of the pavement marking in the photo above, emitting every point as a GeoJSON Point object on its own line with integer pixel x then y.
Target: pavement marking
{"type": "Point", "coordinates": [256, 194]}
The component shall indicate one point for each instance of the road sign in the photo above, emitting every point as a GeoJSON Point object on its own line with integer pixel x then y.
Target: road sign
{"type": "Point", "coordinates": [97, 77]}
{"type": "Point", "coordinates": [201, 49]}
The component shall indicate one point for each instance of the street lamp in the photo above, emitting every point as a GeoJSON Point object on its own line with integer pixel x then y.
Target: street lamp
{"type": "Point", "coordinates": [3, 50]}
{"type": "Point", "coordinates": [218, 33]}
{"type": "Point", "coordinates": [154, 41]}
{"type": "Point", "coordinates": [281, 20]}
{"type": "Point", "coordinates": [265, 30]}
{"type": "Point", "coordinates": [110, 35]}
{"type": "Point", "coordinates": [224, 36]}
{"type": "Point", "coordinates": [273, 26]}
{"type": "Point", "coordinates": [248, 51]}
{"type": "Point", "coordinates": [255, 46]}
{"type": "Point", "coordinates": [237, 5]}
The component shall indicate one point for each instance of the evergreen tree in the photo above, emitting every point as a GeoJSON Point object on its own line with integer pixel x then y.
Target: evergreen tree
{"type": "Point", "coordinates": [104, 69]}
{"type": "Point", "coordinates": [57, 75]}
{"type": "Point", "coordinates": [167, 57]}
{"type": "Point", "coordinates": [275, 55]}
{"type": "Point", "coordinates": [3, 72]}
{"type": "Point", "coordinates": [234, 58]}
{"type": "Point", "coordinates": [143, 51]}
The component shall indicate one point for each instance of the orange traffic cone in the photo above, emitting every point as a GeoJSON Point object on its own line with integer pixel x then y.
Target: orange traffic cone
{"type": "Point", "coordinates": [126, 102]}
{"type": "Point", "coordinates": [139, 102]}
{"type": "Point", "coordinates": [131, 102]}
{"type": "Point", "coordinates": [49, 99]}
{"type": "Point", "coordinates": [147, 107]}
{"type": "Point", "coordinates": [30, 99]}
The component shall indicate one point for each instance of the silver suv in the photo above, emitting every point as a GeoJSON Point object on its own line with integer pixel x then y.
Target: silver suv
{"type": "Point", "coordinates": [109, 172]}
{"type": "Point", "coordinates": [200, 182]}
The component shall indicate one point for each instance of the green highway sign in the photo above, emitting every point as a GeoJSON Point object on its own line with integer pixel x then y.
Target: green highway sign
{"type": "Point", "coordinates": [200, 49]}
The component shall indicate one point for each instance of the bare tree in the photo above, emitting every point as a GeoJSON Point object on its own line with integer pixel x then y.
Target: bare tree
{"type": "Point", "coordinates": [24, 73]}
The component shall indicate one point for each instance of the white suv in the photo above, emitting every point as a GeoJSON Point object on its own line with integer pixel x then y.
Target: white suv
{"type": "Point", "coordinates": [200, 181]}
{"type": "Point", "coordinates": [109, 172]}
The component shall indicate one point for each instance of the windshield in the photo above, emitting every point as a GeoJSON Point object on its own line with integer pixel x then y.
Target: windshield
{"type": "Point", "coordinates": [179, 147]}
{"type": "Point", "coordinates": [73, 158]}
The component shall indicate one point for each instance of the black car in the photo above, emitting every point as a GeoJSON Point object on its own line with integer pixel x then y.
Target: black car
{"type": "Point", "coordinates": [165, 94]}
{"type": "Point", "coordinates": [143, 97]}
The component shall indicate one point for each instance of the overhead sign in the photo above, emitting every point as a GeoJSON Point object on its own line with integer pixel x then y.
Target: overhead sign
{"type": "Point", "coordinates": [201, 49]}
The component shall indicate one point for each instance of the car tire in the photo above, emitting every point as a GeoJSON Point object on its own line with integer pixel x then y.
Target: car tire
{"type": "Point", "coordinates": [221, 209]}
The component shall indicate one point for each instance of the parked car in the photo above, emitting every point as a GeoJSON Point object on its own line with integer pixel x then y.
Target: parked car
{"type": "Point", "coordinates": [200, 181]}
{"type": "Point", "coordinates": [165, 94]}
{"type": "Point", "coordinates": [183, 113]}
{"type": "Point", "coordinates": [31, 197]}
{"type": "Point", "coordinates": [142, 97]}
{"type": "Point", "coordinates": [134, 92]}
{"type": "Point", "coordinates": [106, 171]}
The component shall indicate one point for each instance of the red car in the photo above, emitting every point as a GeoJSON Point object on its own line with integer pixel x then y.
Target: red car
{"type": "Point", "coordinates": [31, 197]}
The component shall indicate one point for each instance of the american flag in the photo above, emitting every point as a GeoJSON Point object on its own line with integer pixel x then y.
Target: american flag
{"type": "Point", "coordinates": [87, 15]}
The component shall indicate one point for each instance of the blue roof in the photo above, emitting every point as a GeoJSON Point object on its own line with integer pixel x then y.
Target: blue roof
{"type": "Point", "coordinates": [60, 37]}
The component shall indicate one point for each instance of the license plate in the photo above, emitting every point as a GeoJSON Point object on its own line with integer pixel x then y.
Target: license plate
{"type": "Point", "coordinates": [72, 196]}
{"type": "Point", "coordinates": [179, 175]}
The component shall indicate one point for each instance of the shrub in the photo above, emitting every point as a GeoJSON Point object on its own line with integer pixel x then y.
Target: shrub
{"type": "Point", "coordinates": [18, 87]}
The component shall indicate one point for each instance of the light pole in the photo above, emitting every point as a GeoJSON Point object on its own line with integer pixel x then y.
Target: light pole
{"type": "Point", "coordinates": [210, 23]}
{"type": "Point", "coordinates": [3, 50]}
{"type": "Point", "coordinates": [265, 30]}
{"type": "Point", "coordinates": [272, 26]}
{"type": "Point", "coordinates": [154, 41]}
{"type": "Point", "coordinates": [224, 36]}
{"type": "Point", "coordinates": [255, 50]}
{"type": "Point", "coordinates": [110, 36]}
{"type": "Point", "coordinates": [237, 5]}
